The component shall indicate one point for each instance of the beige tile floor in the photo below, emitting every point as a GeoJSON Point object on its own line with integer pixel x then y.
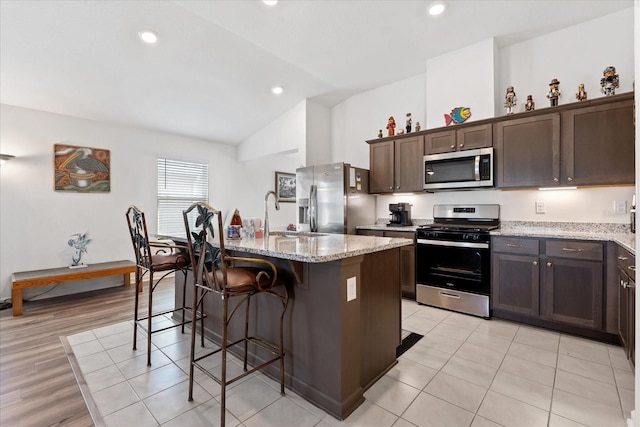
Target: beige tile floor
{"type": "Point", "coordinates": [466, 371]}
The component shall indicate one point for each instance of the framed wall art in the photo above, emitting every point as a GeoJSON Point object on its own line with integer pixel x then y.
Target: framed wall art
{"type": "Point", "coordinates": [285, 187]}
{"type": "Point", "coordinates": [81, 169]}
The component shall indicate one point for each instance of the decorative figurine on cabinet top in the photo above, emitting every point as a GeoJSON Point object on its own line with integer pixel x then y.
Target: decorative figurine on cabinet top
{"type": "Point", "coordinates": [391, 126]}
{"type": "Point", "coordinates": [554, 92]}
{"type": "Point", "coordinates": [458, 115]}
{"type": "Point", "coordinates": [510, 100]}
{"type": "Point", "coordinates": [417, 126]}
{"type": "Point", "coordinates": [610, 81]}
{"type": "Point", "coordinates": [380, 133]}
{"type": "Point", "coordinates": [408, 123]}
{"type": "Point", "coordinates": [529, 105]}
{"type": "Point", "coordinates": [582, 94]}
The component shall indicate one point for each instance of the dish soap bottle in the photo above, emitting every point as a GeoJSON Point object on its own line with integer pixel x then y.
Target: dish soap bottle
{"type": "Point", "coordinates": [633, 214]}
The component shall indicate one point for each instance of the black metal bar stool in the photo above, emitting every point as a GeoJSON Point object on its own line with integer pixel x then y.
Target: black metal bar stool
{"type": "Point", "coordinates": [215, 272]}
{"type": "Point", "coordinates": [167, 259]}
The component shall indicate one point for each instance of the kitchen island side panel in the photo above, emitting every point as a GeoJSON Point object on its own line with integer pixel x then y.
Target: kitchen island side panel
{"type": "Point", "coordinates": [335, 348]}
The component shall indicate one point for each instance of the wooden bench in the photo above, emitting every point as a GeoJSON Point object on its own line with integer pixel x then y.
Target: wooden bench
{"type": "Point", "coordinates": [54, 276]}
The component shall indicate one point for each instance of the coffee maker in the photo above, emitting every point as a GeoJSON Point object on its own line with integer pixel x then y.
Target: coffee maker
{"type": "Point", "coordinates": [400, 214]}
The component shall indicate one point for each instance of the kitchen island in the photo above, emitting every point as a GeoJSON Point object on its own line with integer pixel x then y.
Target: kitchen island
{"type": "Point", "coordinates": [342, 325]}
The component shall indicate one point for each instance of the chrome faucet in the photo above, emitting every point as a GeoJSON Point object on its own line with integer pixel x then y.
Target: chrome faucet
{"type": "Point", "coordinates": [266, 211]}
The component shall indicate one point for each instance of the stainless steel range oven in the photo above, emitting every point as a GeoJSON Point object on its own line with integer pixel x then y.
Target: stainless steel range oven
{"type": "Point", "coordinates": [453, 268]}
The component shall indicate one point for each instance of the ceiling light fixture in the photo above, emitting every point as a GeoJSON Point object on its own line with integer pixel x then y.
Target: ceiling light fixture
{"type": "Point", "coordinates": [270, 2]}
{"type": "Point", "coordinates": [148, 36]}
{"type": "Point", "coordinates": [436, 9]}
{"type": "Point", "coordinates": [277, 90]}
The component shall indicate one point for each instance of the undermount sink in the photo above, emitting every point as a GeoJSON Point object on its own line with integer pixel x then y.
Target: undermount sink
{"type": "Point", "coordinates": [295, 234]}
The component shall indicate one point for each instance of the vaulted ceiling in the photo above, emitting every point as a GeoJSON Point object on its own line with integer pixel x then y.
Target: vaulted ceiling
{"type": "Point", "coordinates": [210, 73]}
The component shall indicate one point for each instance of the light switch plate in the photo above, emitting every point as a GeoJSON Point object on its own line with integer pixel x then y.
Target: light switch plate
{"type": "Point", "coordinates": [541, 207]}
{"type": "Point", "coordinates": [351, 288]}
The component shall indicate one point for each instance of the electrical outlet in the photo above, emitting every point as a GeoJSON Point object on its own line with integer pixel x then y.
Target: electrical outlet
{"type": "Point", "coordinates": [541, 208]}
{"type": "Point", "coordinates": [620, 207]}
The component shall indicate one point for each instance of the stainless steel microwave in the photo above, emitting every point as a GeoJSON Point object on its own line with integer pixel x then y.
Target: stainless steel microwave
{"type": "Point", "coordinates": [459, 170]}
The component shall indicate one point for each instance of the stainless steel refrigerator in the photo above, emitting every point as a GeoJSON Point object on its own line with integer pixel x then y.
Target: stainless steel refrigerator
{"type": "Point", "coordinates": [333, 198]}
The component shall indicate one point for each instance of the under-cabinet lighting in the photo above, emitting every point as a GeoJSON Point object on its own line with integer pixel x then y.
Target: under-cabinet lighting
{"type": "Point", "coordinates": [557, 188]}
{"type": "Point", "coordinates": [403, 194]}
{"type": "Point", "coordinates": [270, 2]}
{"type": "Point", "coordinates": [148, 36]}
{"type": "Point", "coordinates": [5, 158]}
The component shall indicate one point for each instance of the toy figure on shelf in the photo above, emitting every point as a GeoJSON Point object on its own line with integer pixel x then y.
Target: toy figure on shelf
{"type": "Point", "coordinates": [417, 126]}
{"type": "Point", "coordinates": [408, 123]}
{"type": "Point", "coordinates": [391, 126]}
{"type": "Point", "coordinates": [610, 81]}
{"type": "Point", "coordinates": [529, 105]}
{"type": "Point", "coordinates": [458, 115]}
{"type": "Point", "coordinates": [582, 94]}
{"type": "Point", "coordinates": [510, 100]}
{"type": "Point", "coordinates": [554, 92]}
{"type": "Point", "coordinates": [380, 133]}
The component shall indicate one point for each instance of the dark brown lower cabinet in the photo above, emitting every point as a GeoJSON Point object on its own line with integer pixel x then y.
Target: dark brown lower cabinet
{"type": "Point", "coordinates": [407, 259]}
{"type": "Point", "coordinates": [549, 282]}
{"type": "Point", "coordinates": [627, 302]}
{"type": "Point", "coordinates": [516, 283]}
{"type": "Point", "coordinates": [573, 292]}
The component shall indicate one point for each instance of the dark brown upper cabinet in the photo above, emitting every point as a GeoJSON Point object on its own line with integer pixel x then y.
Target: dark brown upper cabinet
{"type": "Point", "coordinates": [582, 143]}
{"type": "Point", "coordinates": [527, 152]}
{"type": "Point", "coordinates": [458, 139]}
{"type": "Point", "coordinates": [396, 165]}
{"type": "Point", "coordinates": [589, 143]}
{"type": "Point", "coordinates": [598, 145]}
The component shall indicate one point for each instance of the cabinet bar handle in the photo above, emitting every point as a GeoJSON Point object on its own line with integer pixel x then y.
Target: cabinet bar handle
{"type": "Point", "coordinates": [632, 267]}
{"type": "Point", "coordinates": [571, 250]}
{"type": "Point", "coordinates": [511, 245]}
{"type": "Point", "coordinates": [622, 258]}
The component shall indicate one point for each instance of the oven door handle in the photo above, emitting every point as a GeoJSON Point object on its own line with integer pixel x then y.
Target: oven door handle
{"type": "Point", "coordinates": [453, 244]}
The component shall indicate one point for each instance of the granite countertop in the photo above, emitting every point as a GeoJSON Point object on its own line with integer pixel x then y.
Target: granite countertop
{"type": "Point", "coordinates": [618, 233]}
{"type": "Point", "coordinates": [314, 247]}
{"type": "Point", "coordinates": [386, 227]}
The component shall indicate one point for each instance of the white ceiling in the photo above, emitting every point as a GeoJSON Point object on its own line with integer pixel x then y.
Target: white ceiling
{"type": "Point", "coordinates": [210, 74]}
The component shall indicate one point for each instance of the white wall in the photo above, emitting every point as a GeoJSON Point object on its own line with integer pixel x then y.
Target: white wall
{"type": "Point", "coordinates": [360, 117]}
{"type": "Point", "coordinates": [318, 142]}
{"type": "Point", "coordinates": [575, 54]}
{"type": "Point", "coordinates": [582, 205]}
{"type": "Point", "coordinates": [36, 221]}
{"type": "Point", "coordinates": [463, 78]}
{"type": "Point", "coordinates": [286, 134]}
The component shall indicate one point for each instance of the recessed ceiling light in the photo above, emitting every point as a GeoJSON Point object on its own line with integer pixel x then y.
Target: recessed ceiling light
{"type": "Point", "coordinates": [436, 9]}
{"type": "Point", "coordinates": [277, 90]}
{"type": "Point", "coordinates": [148, 36]}
{"type": "Point", "coordinates": [270, 2]}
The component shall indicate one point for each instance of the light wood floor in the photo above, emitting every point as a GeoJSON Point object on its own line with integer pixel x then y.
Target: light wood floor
{"type": "Point", "coordinates": [37, 385]}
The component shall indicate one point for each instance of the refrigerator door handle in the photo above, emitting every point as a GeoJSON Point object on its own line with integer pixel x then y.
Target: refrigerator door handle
{"type": "Point", "coordinates": [313, 211]}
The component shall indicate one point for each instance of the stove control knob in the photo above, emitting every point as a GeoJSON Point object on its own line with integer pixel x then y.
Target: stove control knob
{"type": "Point", "coordinates": [476, 237]}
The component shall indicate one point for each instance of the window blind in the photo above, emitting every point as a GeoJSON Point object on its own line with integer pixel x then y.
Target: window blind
{"type": "Point", "coordinates": [179, 185]}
